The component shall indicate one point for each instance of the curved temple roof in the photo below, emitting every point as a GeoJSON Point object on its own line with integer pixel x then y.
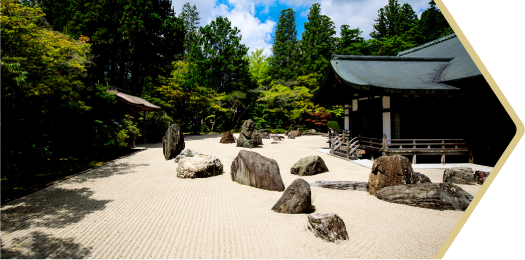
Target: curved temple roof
{"type": "Point", "coordinates": [133, 100]}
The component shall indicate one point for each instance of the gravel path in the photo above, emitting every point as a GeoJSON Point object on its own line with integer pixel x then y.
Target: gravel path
{"type": "Point", "coordinates": [136, 207]}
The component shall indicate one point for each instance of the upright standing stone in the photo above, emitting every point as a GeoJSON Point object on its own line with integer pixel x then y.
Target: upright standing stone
{"type": "Point", "coordinates": [390, 171]}
{"type": "Point", "coordinates": [172, 142]}
{"type": "Point", "coordinates": [249, 136]}
{"type": "Point", "coordinates": [227, 138]}
{"type": "Point", "coordinates": [253, 169]}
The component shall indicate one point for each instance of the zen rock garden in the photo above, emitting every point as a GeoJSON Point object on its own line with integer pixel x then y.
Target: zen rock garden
{"type": "Point", "coordinates": [391, 179]}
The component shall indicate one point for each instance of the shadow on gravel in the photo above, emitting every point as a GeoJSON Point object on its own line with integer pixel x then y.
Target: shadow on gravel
{"type": "Point", "coordinates": [199, 137]}
{"type": "Point", "coordinates": [42, 245]}
{"type": "Point", "coordinates": [51, 207]}
{"type": "Point", "coordinates": [110, 169]}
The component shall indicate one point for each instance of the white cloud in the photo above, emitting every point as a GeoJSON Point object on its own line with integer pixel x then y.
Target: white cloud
{"type": "Point", "coordinates": [255, 34]}
{"type": "Point", "coordinates": [359, 13]}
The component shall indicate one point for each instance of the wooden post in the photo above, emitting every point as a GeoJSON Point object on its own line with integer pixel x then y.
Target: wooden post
{"type": "Point", "coordinates": [443, 159]}
{"type": "Point", "coordinates": [414, 159]}
{"type": "Point", "coordinates": [348, 149]}
{"type": "Point", "coordinates": [470, 157]}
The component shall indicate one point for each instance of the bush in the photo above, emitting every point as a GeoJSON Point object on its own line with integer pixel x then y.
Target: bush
{"type": "Point", "coordinates": [278, 131]}
{"type": "Point", "coordinates": [333, 124]}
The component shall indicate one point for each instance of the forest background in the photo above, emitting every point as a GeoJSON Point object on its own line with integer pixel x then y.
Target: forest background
{"type": "Point", "coordinates": [58, 59]}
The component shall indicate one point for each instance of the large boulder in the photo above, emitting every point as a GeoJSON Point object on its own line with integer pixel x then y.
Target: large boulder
{"type": "Point", "coordinates": [253, 169]}
{"type": "Point", "coordinates": [249, 136]}
{"type": "Point", "coordinates": [185, 153]}
{"type": "Point", "coordinates": [328, 226]}
{"type": "Point", "coordinates": [227, 138]}
{"type": "Point", "coordinates": [481, 176]}
{"type": "Point", "coordinates": [342, 185]}
{"type": "Point", "coordinates": [390, 171]}
{"type": "Point", "coordinates": [199, 166]}
{"type": "Point", "coordinates": [172, 142]}
{"type": "Point", "coordinates": [440, 196]}
{"type": "Point", "coordinates": [459, 175]}
{"type": "Point", "coordinates": [310, 165]}
{"type": "Point", "coordinates": [297, 198]}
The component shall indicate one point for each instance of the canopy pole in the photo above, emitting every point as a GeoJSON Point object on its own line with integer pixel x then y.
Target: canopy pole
{"type": "Point", "coordinates": [145, 113]}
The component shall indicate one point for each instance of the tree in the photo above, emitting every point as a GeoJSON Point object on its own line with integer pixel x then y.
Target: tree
{"type": "Point", "coordinates": [433, 24]}
{"type": "Point", "coordinates": [258, 65]}
{"type": "Point", "coordinates": [132, 41]}
{"type": "Point", "coordinates": [350, 42]}
{"type": "Point", "coordinates": [393, 20]}
{"type": "Point", "coordinates": [284, 63]}
{"type": "Point", "coordinates": [317, 42]}
{"type": "Point", "coordinates": [190, 18]}
{"type": "Point", "coordinates": [42, 80]}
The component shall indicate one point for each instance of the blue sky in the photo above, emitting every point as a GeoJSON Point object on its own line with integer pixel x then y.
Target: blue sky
{"type": "Point", "coordinates": [257, 18]}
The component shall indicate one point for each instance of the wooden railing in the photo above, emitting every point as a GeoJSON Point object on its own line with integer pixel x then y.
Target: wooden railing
{"type": "Point", "coordinates": [343, 144]}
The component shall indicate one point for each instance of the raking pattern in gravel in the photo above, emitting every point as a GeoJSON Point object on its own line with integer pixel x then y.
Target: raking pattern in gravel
{"type": "Point", "coordinates": [136, 207]}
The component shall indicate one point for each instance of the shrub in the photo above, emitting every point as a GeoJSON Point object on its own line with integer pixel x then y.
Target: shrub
{"type": "Point", "coordinates": [278, 131]}
{"type": "Point", "coordinates": [333, 124]}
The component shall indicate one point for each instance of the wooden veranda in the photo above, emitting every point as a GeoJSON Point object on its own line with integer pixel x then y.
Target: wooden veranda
{"type": "Point", "coordinates": [343, 144]}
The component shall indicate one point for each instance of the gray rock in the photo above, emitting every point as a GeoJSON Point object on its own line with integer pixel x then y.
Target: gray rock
{"type": "Point", "coordinates": [459, 175]}
{"type": "Point", "coordinates": [481, 176]}
{"type": "Point", "coordinates": [390, 171]}
{"type": "Point", "coordinates": [310, 165]}
{"type": "Point", "coordinates": [249, 136]}
{"type": "Point", "coordinates": [172, 142]}
{"type": "Point", "coordinates": [329, 226]}
{"type": "Point", "coordinates": [253, 169]}
{"type": "Point", "coordinates": [420, 178]}
{"type": "Point", "coordinates": [199, 166]}
{"type": "Point", "coordinates": [440, 196]}
{"type": "Point", "coordinates": [185, 153]}
{"type": "Point", "coordinates": [277, 137]}
{"type": "Point", "coordinates": [291, 136]}
{"type": "Point", "coordinates": [342, 185]}
{"type": "Point", "coordinates": [297, 198]}
{"type": "Point", "coordinates": [296, 133]}
{"type": "Point", "coordinates": [265, 135]}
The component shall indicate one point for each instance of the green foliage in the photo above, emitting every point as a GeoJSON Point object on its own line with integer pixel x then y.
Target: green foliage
{"type": "Point", "coordinates": [433, 24]}
{"type": "Point", "coordinates": [350, 42]}
{"type": "Point", "coordinates": [317, 43]}
{"type": "Point", "coordinates": [278, 131]}
{"type": "Point", "coordinates": [333, 125]}
{"type": "Point", "coordinates": [190, 18]}
{"type": "Point", "coordinates": [284, 63]}
{"type": "Point", "coordinates": [394, 19]}
{"type": "Point", "coordinates": [258, 65]}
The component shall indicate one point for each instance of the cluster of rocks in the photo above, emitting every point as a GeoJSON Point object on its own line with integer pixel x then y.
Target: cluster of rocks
{"type": "Point", "coordinates": [253, 169]}
{"type": "Point", "coordinates": [392, 179]}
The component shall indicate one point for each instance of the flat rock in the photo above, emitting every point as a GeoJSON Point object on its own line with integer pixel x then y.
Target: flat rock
{"type": "Point", "coordinates": [390, 171]}
{"type": "Point", "coordinates": [328, 226]}
{"type": "Point", "coordinates": [253, 169]}
{"type": "Point", "coordinates": [310, 165]}
{"type": "Point", "coordinates": [342, 185]}
{"type": "Point", "coordinates": [297, 198]}
{"type": "Point", "coordinates": [199, 166]}
{"type": "Point", "coordinates": [459, 175]}
{"type": "Point", "coordinates": [291, 136]}
{"type": "Point", "coordinates": [440, 196]}
{"type": "Point", "coordinates": [172, 142]}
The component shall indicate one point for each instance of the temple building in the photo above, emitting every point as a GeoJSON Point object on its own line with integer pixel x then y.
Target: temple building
{"type": "Point", "coordinates": [432, 91]}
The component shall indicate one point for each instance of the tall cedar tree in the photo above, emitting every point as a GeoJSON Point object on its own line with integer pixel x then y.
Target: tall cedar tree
{"type": "Point", "coordinates": [317, 42]}
{"type": "Point", "coordinates": [284, 63]}
{"type": "Point", "coordinates": [394, 19]}
{"type": "Point", "coordinates": [350, 42]}
{"type": "Point", "coordinates": [433, 24]}
{"type": "Point", "coordinates": [132, 41]}
{"type": "Point", "coordinates": [190, 17]}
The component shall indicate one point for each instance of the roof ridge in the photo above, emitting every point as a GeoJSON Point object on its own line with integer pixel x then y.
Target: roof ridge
{"type": "Point", "coordinates": [387, 58]}
{"type": "Point", "coordinates": [423, 46]}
